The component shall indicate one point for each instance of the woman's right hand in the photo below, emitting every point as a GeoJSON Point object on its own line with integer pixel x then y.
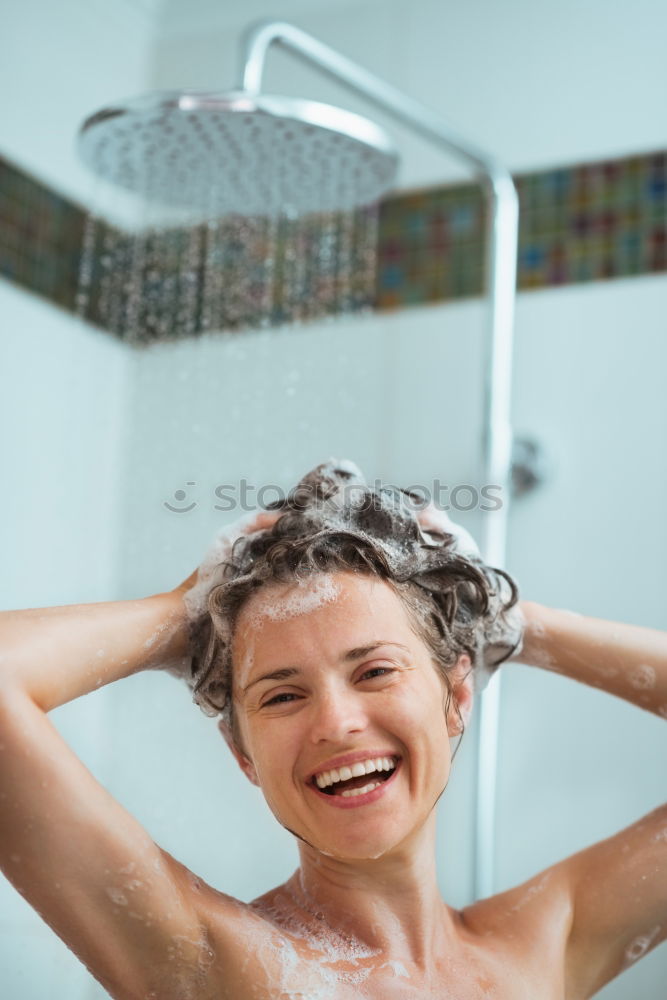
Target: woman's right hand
{"type": "Point", "coordinates": [196, 589]}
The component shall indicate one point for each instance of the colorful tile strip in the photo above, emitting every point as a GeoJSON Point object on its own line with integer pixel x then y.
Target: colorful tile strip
{"type": "Point", "coordinates": [584, 223]}
{"type": "Point", "coordinates": [589, 222]}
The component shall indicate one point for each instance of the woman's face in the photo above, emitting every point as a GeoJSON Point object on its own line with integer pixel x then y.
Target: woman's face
{"type": "Point", "coordinates": [355, 677]}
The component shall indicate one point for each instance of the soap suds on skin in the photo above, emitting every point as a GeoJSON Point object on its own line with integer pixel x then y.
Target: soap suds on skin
{"type": "Point", "coordinates": [641, 945]}
{"type": "Point", "coordinates": [541, 658]}
{"type": "Point", "coordinates": [116, 896]}
{"type": "Point", "coordinates": [643, 677]}
{"type": "Point", "coordinates": [301, 598]}
{"type": "Point", "coordinates": [531, 892]}
{"type": "Point", "coordinates": [397, 967]}
{"type": "Point", "coordinates": [333, 959]}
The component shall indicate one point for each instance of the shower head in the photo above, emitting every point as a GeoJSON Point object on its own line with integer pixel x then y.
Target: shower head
{"type": "Point", "coordinates": [239, 153]}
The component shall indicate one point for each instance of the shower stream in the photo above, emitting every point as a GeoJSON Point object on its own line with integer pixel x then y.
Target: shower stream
{"type": "Point", "coordinates": [169, 271]}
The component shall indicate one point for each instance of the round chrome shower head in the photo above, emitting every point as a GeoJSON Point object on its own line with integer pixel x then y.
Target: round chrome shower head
{"type": "Point", "coordinates": [239, 153]}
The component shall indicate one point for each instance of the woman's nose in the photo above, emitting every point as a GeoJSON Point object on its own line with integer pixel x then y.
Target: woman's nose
{"type": "Point", "coordinates": [335, 714]}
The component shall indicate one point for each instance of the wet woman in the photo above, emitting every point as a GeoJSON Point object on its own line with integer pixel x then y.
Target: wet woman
{"type": "Point", "coordinates": [341, 641]}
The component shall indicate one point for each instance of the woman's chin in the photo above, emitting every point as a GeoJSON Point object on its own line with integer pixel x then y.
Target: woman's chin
{"type": "Point", "coordinates": [343, 836]}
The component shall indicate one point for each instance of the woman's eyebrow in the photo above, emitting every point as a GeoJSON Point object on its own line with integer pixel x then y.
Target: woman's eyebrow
{"type": "Point", "coordinates": [359, 651]}
{"type": "Point", "coordinates": [352, 654]}
{"type": "Point", "coordinates": [274, 675]}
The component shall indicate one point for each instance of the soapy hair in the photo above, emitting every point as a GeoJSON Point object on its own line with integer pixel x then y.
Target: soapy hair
{"type": "Point", "coordinates": [333, 522]}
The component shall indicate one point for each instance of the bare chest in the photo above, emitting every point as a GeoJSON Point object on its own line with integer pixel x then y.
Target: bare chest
{"type": "Point", "coordinates": [280, 967]}
{"type": "Point", "coordinates": [510, 947]}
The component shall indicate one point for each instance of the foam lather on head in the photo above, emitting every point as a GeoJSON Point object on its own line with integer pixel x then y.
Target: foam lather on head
{"type": "Point", "coordinates": [301, 598]}
{"type": "Point", "coordinates": [332, 521]}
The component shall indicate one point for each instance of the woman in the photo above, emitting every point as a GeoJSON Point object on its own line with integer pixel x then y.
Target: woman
{"type": "Point", "coordinates": [335, 632]}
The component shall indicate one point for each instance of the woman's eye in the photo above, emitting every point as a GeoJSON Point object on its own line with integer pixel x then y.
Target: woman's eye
{"type": "Point", "coordinates": [286, 696]}
{"type": "Point", "coordinates": [276, 699]}
{"type": "Point", "coordinates": [372, 670]}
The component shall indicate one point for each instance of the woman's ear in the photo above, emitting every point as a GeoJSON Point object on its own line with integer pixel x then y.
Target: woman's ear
{"type": "Point", "coordinates": [462, 695]}
{"type": "Point", "coordinates": [244, 762]}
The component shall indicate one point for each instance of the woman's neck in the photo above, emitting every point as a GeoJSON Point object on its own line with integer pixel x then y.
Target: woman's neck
{"type": "Point", "coordinates": [389, 905]}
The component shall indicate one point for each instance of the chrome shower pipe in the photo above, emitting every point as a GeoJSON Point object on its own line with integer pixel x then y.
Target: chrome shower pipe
{"type": "Point", "coordinates": [502, 244]}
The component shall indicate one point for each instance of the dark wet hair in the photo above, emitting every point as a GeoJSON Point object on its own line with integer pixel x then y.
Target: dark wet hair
{"type": "Point", "coordinates": [333, 522]}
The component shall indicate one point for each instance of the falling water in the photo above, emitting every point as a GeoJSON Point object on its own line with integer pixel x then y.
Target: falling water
{"type": "Point", "coordinates": [229, 273]}
{"type": "Point", "coordinates": [168, 272]}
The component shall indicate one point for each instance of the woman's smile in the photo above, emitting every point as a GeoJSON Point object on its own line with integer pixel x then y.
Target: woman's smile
{"type": "Point", "coordinates": [353, 798]}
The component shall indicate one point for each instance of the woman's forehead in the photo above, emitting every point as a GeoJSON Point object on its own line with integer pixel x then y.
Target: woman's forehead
{"type": "Point", "coordinates": [335, 594]}
{"type": "Point", "coordinates": [279, 602]}
{"type": "Point", "coordinates": [339, 610]}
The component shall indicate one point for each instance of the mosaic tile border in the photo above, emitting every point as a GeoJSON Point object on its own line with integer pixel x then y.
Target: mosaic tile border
{"type": "Point", "coordinates": [41, 237]}
{"type": "Point", "coordinates": [583, 223]}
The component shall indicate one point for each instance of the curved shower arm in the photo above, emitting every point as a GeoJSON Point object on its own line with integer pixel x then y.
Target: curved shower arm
{"type": "Point", "coordinates": [259, 37]}
{"type": "Point", "coordinates": [502, 245]}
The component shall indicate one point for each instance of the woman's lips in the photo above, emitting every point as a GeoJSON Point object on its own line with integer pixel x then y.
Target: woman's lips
{"type": "Point", "coordinates": [352, 801]}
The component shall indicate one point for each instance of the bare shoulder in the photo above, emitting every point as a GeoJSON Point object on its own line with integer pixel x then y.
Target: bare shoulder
{"type": "Point", "coordinates": [586, 919]}
{"type": "Point", "coordinates": [524, 932]}
{"type": "Point", "coordinates": [618, 888]}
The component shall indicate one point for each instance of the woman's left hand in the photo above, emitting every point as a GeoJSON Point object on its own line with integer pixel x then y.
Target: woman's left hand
{"type": "Point", "coordinates": [500, 636]}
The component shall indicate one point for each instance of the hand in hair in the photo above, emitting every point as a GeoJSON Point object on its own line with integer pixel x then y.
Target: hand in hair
{"type": "Point", "coordinates": [196, 588]}
{"type": "Point", "coordinates": [433, 519]}
{"type": "Point", "coordinates": [209, 574]}
{"type": "Point", "coordinates": [503, 631]}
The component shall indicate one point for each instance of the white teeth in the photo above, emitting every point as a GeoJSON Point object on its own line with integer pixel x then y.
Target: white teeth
{"type": "Point", "coordinates": [369, 766]}
{"type": "Point", "coordinates": [360, 791]}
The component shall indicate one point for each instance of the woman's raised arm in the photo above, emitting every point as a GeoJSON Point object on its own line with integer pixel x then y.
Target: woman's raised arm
{"type": "Point", "coordinates": [91, 871]}
{"type": "Point", "coordinates": [55, 655]}
{"type": "Point", "coordinates": [123, 905]}
{"type": "Point", "coordinates": [629, 661]}
{"type": "Point", "coordinates": [58, 654]}
{"type": "Point", "coordinates": [617, 887]}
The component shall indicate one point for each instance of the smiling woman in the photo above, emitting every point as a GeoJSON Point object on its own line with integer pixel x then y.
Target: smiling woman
{"type": "Point", "coordinates": [343, 710]}
{"type": "Point", "coordinates": [331, 524]}
{"type": "Point", "coordinates": [339, 637]}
